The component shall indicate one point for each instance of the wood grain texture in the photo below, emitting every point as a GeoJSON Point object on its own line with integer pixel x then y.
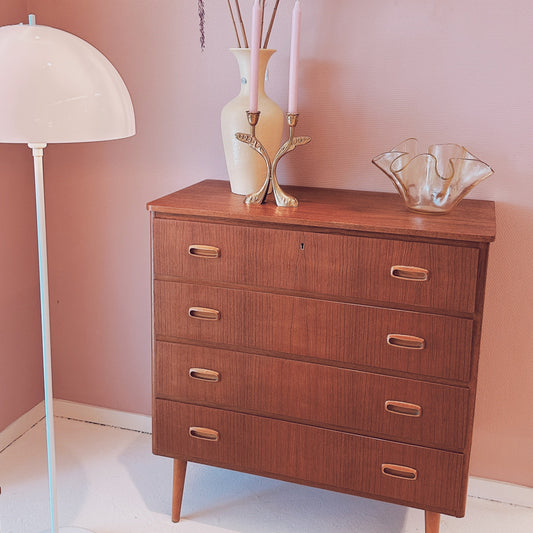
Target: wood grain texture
{"type": "Point", "coordinates": [476, 342]}
{"type": "Point", "coordinates": [350, 334]}
{"type": "Point", "coordinates": [317, 394]}
{"type": "Point", "coordinates": [350, 267]}
{"type": "Point", "coordinates": [178, 483]}
{"type": "Point", "coordinates": [311, 455]}
{"type": "Point", "coordinates": [296, 368]}
{"type": "Point", "coordinates": [373, 212]}
{"type": "Point", "coordinates": [432, 522]}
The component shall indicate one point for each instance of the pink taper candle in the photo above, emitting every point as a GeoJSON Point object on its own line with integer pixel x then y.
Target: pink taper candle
{"type": "Point", "coordinates": [254, 56]}
{"type": "Point", "coordinates": [295, 52]}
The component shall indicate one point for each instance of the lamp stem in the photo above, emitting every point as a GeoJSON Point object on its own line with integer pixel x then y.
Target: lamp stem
{"type": "Point", "coordinates": [37, 150]}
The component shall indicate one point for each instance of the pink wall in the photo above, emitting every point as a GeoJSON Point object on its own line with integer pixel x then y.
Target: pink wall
{"type": "Point", "coordinates": [372, 73]}
{"type": "Point", "coordinates": [20, 368]}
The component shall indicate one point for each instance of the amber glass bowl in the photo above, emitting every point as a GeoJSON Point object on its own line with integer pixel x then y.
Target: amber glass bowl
{"type": "Point", "coordinates": [434, 181]}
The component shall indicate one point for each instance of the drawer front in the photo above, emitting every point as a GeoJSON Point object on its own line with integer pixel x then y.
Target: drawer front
{"type": "Point", "coordinates": [318, 329]}
{"type": "Point", "coordinates": [405, 474]}
{"type": "Point", "coordinates": [381, 270]}
{"type": "Point", "coordinates": [408, 410]}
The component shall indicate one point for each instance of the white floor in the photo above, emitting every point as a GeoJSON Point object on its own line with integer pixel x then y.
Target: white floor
{"type": "Point", "coordinates": [109, 482]}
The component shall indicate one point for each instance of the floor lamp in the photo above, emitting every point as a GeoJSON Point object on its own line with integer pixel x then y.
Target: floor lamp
{"type": "Point", "coordinates": [56, 88]}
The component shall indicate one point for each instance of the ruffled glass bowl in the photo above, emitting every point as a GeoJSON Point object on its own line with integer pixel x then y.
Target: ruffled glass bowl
{"type": "Point", "coordinates": [434, 181]}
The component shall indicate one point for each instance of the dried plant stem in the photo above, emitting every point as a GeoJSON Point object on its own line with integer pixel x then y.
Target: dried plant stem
{"type": "Point", "coordinates": [234, 24]}
{"type": "Point", "coordinates": [241, 23]}
{"type": "Point", "coordinates": [262, 20]}
{"type": "Point", "coordinates": [201, 14]}
{"type": "Point", "coordinates": [274, 11]}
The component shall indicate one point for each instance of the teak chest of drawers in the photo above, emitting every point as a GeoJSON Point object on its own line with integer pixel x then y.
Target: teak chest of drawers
{"type": "Point", "coordinates": [334, 344]}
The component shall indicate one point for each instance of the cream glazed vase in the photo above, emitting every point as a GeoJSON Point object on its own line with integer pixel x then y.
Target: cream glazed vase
{"type": "Point", "coordinates": [246, 168]}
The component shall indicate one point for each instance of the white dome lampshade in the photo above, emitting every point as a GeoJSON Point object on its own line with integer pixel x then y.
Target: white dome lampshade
{"type": "Point", "coordinates": [57, 88]}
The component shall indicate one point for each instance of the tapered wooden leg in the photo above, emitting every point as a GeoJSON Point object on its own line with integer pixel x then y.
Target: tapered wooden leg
{"type": "Point", "coordinates": [432, 522]}
{"type": "Point", "coordinates": [180, 467]}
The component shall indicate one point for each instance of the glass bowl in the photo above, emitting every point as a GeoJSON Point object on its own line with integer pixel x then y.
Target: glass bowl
{"type": "Point", "coordinates": [434, 181]}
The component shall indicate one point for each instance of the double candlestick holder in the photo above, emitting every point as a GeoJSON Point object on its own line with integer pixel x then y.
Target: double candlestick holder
{"type": "Point", "coordinates": [282, 199]}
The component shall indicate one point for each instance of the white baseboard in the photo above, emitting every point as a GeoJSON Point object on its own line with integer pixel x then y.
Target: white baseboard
{"type": "Point", "coordinates": [102, 415]}
{"type": "Point", "coordinates": [21, 425]}
{"type": "Point", "coordinates": [490, 489]}
{"type": "Point", "coordinates": [486, 489]}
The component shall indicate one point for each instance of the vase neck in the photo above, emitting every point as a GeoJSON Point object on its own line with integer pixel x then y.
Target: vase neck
{"type": "Point", "coordinates": [243, 59]}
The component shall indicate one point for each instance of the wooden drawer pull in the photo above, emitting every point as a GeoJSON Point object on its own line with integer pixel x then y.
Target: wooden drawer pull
{"type": "Point", "coordinates": [202, 250]}
{"type": "Point", "coordinates": [202, 374]}
{"type": "Point", "coordinates": [406, 341]}
{"type": "Point", "coordinates": [399, 471]}
{"type": "Point", "coordinates": [403, 408]}
{"type": "Point", "coordinates": [204, 313]}
{"type": "Point", "coordinates": [409, 273]}
{"type": "Point", "coordinates": [203, 433]}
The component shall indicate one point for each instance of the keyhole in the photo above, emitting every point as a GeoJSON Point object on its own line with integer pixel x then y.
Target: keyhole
{"type": "Point", "coordinates": [302, 246]}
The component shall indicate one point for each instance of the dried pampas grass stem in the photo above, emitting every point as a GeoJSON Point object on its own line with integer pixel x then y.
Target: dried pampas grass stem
{"type": "Point", "coordinates": [274, 11]}
{"type": "Point", "coordinates": [201, 14]}
{"type": "Point", "coordinates": [262, 2]}
{"type": "Point", "coordinates": [234, 24]}
{"type": "Point", "coordinates": [241, 23]}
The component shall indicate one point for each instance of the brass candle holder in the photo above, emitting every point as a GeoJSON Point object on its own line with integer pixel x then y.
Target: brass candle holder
{"type": "Point", "coordinates": [282, 199]}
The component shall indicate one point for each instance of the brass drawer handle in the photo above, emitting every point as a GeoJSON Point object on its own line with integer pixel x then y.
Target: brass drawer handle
{"type": "Point", "coordinates": [409, 342]}
{"type": "Point", "coordinates": [202, 374]}
{"type": "Point", "coordinates": [399, 471]}
{"type": "Point", "coordinates": [203, 433]}
{"type": "Point", "coordinates": [403, 408]}
{"type": "Point", "coordinates": [409, 273]}
{"type": "Point", "coordinates": [204, 313]}
{"type": "Point", "coordinates": [205, 251]}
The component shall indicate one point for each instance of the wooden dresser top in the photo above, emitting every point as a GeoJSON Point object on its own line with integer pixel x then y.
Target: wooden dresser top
{"type": "Point", "coordinates": [334, 209]}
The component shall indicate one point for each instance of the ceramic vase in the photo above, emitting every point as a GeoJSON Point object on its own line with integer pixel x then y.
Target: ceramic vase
{"type": "Point", "coordinates": [246, 168]}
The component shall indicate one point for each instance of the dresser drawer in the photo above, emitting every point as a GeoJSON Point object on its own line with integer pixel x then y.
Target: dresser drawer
{"type": "Point", "coordinates": [358, 268]}
{"type": "Point", "coordinates": [405, 474]}
{"type": "Point", "coordinates": [417, 343]}
{"type": "Point", "coordinates": [400, 409]}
